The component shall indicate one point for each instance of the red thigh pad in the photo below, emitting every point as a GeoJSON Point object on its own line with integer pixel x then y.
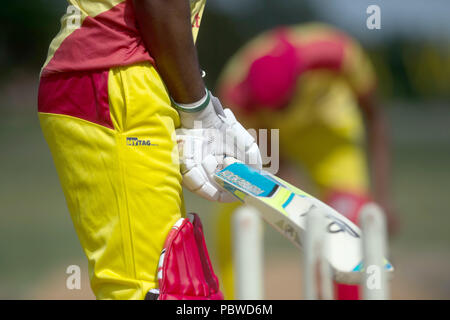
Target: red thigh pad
{"type": "Point", "coordinates": [185, 271]}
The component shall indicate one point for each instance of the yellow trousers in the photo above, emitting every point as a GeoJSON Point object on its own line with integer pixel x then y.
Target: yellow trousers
{"type": "Point", "coordinates": [121, 181]}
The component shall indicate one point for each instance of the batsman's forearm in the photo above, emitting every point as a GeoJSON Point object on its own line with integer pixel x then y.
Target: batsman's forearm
{"type": "Point", "coordinates": [165, 27]}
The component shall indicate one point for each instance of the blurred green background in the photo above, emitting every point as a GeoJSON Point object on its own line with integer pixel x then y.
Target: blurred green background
{"type": "Point", "coordinates": [412, 57]}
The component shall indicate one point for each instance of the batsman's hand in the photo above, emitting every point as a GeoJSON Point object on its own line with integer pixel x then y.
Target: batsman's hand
{"type": "Point", "coordinates": [208, 141]}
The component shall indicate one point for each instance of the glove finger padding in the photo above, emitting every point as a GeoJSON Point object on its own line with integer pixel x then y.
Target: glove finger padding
{"type": "Point", "coordinates": [240, 143]}
{"type": "Point", "coordinates": [198, 170]}
{"type": "Point", "coordinates": [190, 149]}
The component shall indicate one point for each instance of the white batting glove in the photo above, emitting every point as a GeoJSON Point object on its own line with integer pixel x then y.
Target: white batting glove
{"type": "Point", "coordinates": [209, 139]}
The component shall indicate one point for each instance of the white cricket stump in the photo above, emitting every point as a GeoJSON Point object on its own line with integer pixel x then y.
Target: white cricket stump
{"type": "Point", "coordinates": [373, 223]}
{"type": "Point", "coordinates": [248, 255]}
{"type": "Point", "coordinates": [317, 273]}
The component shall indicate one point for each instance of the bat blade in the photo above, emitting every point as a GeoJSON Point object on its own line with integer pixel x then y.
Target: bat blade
{"type": "Point", "coordinates": [285, 207]}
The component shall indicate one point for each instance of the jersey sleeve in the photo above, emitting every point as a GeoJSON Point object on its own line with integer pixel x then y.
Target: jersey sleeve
{"type": "Point", "coordinates": [229, 85]}
{"type": "Point", "coordinates": [98, 35]}
{"type": "Point", "coordinates": [317, 47]}
{"type": "Point", "coordinates": [358, 69]}
{"type": "Point", "coordinates": [325, 47]}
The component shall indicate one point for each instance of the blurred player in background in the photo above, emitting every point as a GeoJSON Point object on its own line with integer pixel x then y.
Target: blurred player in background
{"type": "Point", "coordinates": [317, 86]}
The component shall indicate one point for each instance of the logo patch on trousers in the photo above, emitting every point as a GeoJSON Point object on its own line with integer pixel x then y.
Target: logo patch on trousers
{"type": "Point", "coordinates": [135, 142]}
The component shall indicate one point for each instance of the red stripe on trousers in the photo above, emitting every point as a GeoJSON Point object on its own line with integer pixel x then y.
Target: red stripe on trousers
{"type": "Point", "coordinates": [82, 95]}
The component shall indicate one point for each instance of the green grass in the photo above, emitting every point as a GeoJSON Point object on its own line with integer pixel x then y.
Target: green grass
{"type": "Point", "coordinates": [421, 190]}
{"type": "Point", "coordinates": [35, 228]}
{"type": "Point", "coordinates": [421, 175]}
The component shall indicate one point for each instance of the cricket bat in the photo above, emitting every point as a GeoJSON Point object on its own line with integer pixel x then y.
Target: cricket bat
{"type": "Point", "coordinates": [285, 208]}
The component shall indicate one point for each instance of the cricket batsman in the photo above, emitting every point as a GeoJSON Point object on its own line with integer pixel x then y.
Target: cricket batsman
{"type": "Point", "coordinates": [128, 119]}
{"type": "Point", "coordinates": [317, 86]}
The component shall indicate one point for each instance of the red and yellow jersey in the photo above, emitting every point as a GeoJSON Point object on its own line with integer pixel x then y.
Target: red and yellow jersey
{"type": "Point", "coordinates": [266, 71]}
{"type": "Point", "coordinates": [100, 34]}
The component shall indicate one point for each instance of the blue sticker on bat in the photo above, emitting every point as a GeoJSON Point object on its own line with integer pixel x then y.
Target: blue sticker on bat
{"type": "Point", "coordinates": [249, 180]}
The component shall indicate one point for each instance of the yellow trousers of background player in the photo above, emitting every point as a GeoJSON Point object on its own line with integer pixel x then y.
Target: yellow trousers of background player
{"type": "Point", "coordinates": [122, 184]}
{"type": "Point", "coordinates": [322, 131]}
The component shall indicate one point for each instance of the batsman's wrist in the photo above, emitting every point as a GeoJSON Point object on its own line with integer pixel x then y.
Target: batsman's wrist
{"type": "Point", "coordinates": [195, 106]}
